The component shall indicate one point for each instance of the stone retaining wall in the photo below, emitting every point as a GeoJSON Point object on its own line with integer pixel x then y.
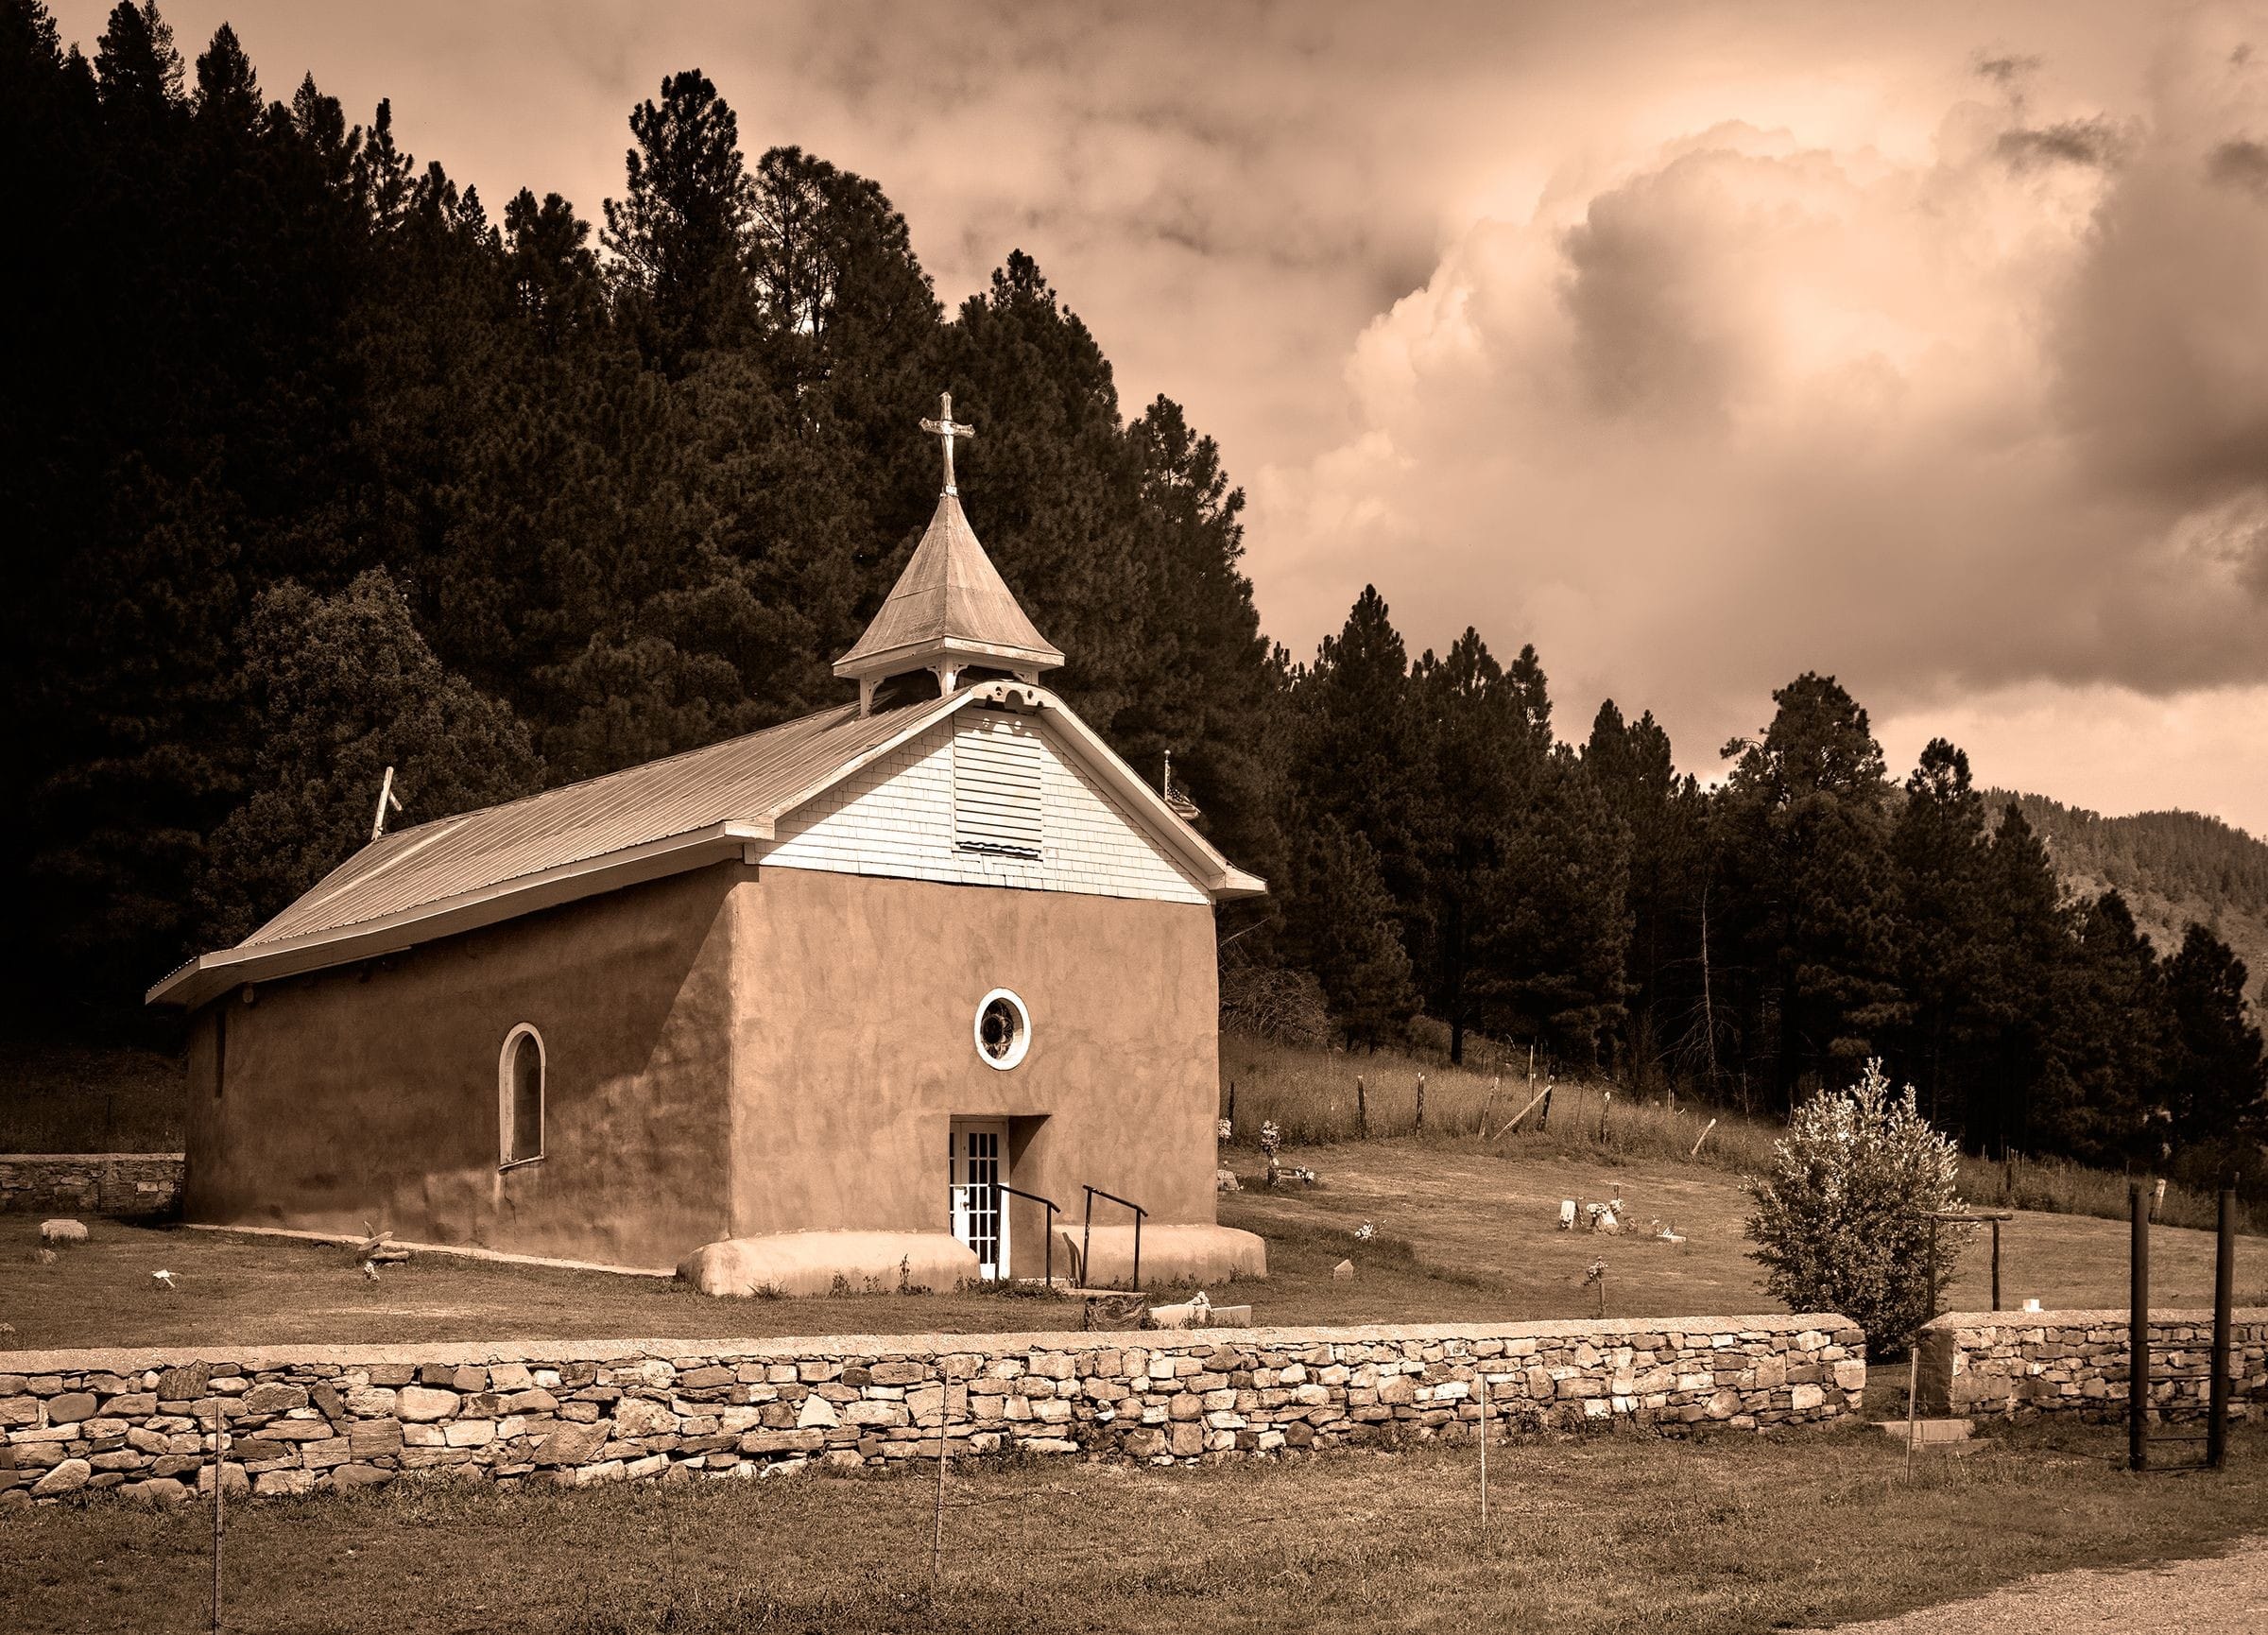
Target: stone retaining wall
{"type": "Point", "coordinates": [305, 1418]}
{"type": "Point", "coordinates": [2077, 1362]}
{"type": "Point", "coordinates": [100, 1183]}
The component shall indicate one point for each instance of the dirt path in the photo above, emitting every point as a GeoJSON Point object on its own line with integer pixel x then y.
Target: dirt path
{"type": "Point", "coordinates": [2227, 1593]}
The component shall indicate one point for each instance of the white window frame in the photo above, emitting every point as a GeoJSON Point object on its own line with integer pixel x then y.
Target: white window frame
{"type": "Point", "coordinates": [504, 1096]}
{"type": "Point", "coordinates": [1022, 1046]}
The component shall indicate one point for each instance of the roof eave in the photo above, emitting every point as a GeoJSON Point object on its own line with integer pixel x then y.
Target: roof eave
{"type": "Point", "coordinates": [1221, 879]}
{"type": "Point", "coordinates": [212, 975]}
{"type": "Point", "coordinates": [855, 665]}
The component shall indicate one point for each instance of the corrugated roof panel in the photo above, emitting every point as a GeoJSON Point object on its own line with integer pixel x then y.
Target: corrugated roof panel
{"type": "Point", "coordinates": [746, 779]}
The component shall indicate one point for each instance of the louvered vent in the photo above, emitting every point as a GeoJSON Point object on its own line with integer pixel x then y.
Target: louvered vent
{"type": "Point", "coordinates": [997, 762]}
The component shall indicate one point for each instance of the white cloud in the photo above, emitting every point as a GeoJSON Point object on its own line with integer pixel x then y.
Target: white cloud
{"type": "Point", "coordinates": [1983, 418]}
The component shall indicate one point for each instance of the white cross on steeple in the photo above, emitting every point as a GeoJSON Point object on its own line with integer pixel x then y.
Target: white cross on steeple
{"type": "Point", "coordinates": [946, 429]}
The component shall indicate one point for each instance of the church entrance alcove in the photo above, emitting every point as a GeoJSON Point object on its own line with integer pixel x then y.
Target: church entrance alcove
{"type": "Point", "coordinates": [977, 1168]}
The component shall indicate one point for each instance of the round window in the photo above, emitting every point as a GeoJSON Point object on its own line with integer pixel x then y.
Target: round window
{"type": "Point", "coordinates": [1004, 1029]}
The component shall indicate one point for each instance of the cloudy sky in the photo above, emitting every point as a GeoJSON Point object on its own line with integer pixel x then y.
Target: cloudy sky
{"type": "Point", "coordinates": [1699, 344]}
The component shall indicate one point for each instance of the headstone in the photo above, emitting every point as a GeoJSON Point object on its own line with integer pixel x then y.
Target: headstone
{"type": "Point", "coordinates": [1567, 1214]}
{"type": "Point", "coordinates": [1191, 1314]}
{"type": "Point", "coordinates": [62, 1231]}
{"type": "Point", "coordinates": [1344, 1271]}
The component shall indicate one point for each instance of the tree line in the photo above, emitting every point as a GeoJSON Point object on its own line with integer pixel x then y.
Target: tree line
{"type": "Point", "coordinates": [314, 467]}
{"type": "Point", "coordinates": [1756, 941]}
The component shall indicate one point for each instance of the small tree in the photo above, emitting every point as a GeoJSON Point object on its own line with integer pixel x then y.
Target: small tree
{"type": "Point", "coordinates": [1841, 1223]}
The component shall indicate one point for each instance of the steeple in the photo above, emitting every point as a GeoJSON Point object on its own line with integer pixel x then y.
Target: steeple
{"type": "Point", "coordinates": [950, 609]}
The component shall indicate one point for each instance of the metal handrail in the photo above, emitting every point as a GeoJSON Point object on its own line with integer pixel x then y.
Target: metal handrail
{"type": "Point", "coordinates": [1002, 1186]}
{"type": "Point", "coordinates": [1087, 1228]}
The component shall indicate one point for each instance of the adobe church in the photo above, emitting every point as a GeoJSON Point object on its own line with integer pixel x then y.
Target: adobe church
{"type": "Point", "coordinates": [793, 1007]}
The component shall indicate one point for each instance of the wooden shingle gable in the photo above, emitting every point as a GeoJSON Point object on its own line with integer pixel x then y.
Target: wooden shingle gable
{"type": "Point", "coordinates": [939, 808]}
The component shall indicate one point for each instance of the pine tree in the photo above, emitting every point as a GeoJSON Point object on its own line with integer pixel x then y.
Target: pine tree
{"type": "Point", "coordinates": [1663, 816]}
{"type": "Point", "coordinates": [1342, 929]}
{"type": "Point", "coordinates": [680, 232]}
{"type": "Point", "coordinates": [2217, 1075]}
{"type": "Point", "coordinates": [1475, 767]}
{"type": "Point", "coordinates": [2025, 944]}
{"type": "Point", "coordinates": [336, 690]}
{"type": "Point", "coordinates": [2102, 1085]}
{"type": "Point", "coordinates": [1806, 843]}
{"type": "Point", "coordinates": [1354, 759]}
{"type": "Point", "coordinates": [1553, 948]}
{"type": "Point", "coordinates": [1939, 852]}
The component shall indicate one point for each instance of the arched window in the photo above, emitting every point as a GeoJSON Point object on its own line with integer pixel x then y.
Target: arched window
{"type": "Point", "coordinates": [520, 1097]}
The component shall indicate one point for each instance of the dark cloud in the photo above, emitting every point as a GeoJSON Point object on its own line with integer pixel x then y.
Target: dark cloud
{"type": "Point", "coordinates": [2093, 142]}
{"type": "Point", "coordinates": [2240, 162]}
{"type": "Point", "coordinates": [1700, 341]}
{"type": "Point", "coordinates": [1653, 328]}
{"type": "Point", "coordinates": [2006, 69]}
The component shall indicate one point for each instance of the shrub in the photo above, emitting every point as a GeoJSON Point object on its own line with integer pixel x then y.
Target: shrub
{"type": "Point", "coordinates": [1266, 1002]}
{"type": "Point", "coordinates": [1840, 1222]}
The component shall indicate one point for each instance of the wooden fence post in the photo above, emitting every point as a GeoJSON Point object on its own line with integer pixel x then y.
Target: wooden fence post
{"type": "Point", "coordinates": [1421, 1104]}
{"type": "Point", "coordinates": [1362, 1110]}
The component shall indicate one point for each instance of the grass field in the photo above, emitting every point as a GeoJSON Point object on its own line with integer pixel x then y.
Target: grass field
{"type": "Point", "coordinates": [1312, 1096]}
{"type": "Point", "coordinates": [1461, 1236]}
{"type": "Point", "coordinates": [1591, 1536]}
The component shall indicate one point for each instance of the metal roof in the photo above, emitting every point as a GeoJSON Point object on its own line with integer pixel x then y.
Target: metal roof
{"type": "Point", "coordinates": [950, 600]}
{"type": "Point", "coordinates": [681, 812]}
{"type": "Point", "coordinates": [749, 780]}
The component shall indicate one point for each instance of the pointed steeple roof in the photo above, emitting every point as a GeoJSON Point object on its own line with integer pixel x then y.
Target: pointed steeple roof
{"type": "Point", "coordinates": [950, 607]}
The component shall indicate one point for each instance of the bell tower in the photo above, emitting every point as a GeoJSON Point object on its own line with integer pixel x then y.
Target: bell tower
{"type": "Point", "coordinates": [950, 609]}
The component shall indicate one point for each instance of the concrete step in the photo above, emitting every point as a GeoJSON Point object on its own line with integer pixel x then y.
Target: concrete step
{"type": "Point", "coordinates": [1928, 1433]}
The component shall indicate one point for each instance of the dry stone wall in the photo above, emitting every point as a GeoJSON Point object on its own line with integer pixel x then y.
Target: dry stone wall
{"type": "Point", "coordinates": [303, 1418]}
{"type": "Point", "coordinates": [100, 1183]}
{"type": "Point", "coordinates": [2077, 1362]}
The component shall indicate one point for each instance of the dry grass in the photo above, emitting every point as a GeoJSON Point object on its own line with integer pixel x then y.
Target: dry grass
{"type": "Point", "coordinates": [1494, 1216]}
{"type": "Point", "coordinates": [1605, 1534]}
{"type": "Point", "coordinates": [246, 1289]}
{"type": "Point", "coordinates": [1312, 1096]}
{"type": "Point", "coordinates": [1463, 1235]}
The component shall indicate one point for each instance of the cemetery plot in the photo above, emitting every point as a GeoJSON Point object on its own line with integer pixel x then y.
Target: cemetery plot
{"type": "Point", "coordinates": [1455, 1236]}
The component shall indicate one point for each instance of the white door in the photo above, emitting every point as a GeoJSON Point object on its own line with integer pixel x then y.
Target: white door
{"type": "Point", "coordinates": [978, 1167]}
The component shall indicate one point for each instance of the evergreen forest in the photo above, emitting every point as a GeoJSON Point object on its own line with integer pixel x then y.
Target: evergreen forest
{"type": "Point", "coordinates": [318, 462]}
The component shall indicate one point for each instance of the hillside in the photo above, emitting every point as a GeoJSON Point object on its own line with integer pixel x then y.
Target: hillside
{"type": "Point", "coordinates": [2173, 868]}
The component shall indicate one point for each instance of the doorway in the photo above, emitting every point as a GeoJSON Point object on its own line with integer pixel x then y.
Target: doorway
{"type": "Point", "coordinates": [977, 1168]}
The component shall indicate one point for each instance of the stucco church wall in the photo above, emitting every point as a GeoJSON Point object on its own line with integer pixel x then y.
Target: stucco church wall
{"type": "Point", "coordinates": [370, 1093]}
{"type": "Point", "coordinates": [308, 1418]}
{"type": "Point", "coordinates": [855, 1047]}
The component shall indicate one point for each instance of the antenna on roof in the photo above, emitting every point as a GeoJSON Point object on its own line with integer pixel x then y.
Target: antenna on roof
{"type": "Point", "coordinates": [385, 798]}
{"type": "Point", "coordinates": [1182, 806]}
